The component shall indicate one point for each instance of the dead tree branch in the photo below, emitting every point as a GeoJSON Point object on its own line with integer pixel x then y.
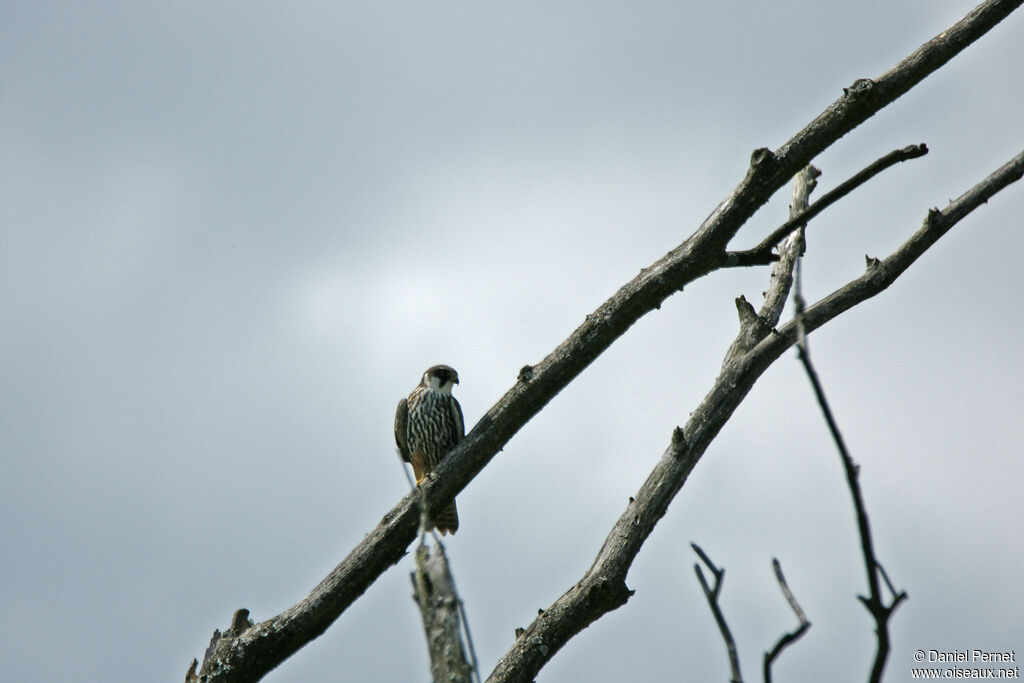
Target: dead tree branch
{"type": "Point", "coordinates": [791, 637]}
{"type": "Point", "coordinates": [434, 592]}
{"type": "Point", "coordinates": [603, 587]}
{"type": "Point", "coordinates": [875, 604]}
{"type": "Point", "coordinates": [441, 608]}
{"type": "Point", "coordinates": [755, 325]}
{"type": "Point", "coordinates": [711, 593]}
{"type": "Point", "coordinates": [249, 654]}
{"type": "Point", "coordinates": [753, 328]}
{"type": "Point", "coordinates": [762, 253]}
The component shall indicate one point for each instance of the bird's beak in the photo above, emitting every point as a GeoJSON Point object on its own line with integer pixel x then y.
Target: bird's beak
{"type": "Point", "coordinates": [456, 380]}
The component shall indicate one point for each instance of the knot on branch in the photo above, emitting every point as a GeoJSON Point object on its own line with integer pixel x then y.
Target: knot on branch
{"type": "Point", "coordinates": [753, 328]}
{"type": "Point", "coordinates": [240, 622]}
{"type": "Point", "coordinates": [873, 264]}
{"type": "Point", "coordinates": [526, 373]}
{"type": "Point", "coordinates": [761, 159]}
{"type": "Point", "coordinates": [803, 185]}
{"type": "Point", "coordinates": [748, 316]}
{"type": "Point", "coordinates": [860, 89]}
{"type": "Point", "coordinates": [678, 442]}
{"type": "Point", "coordinates": [609, 591]}
{"type": "Point", "coordinates": [589, 329]}
{"type": "Point", "coordinates": [220, 643]}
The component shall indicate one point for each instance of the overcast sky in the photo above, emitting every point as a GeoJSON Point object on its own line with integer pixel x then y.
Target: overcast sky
{"type": "Point", "coordinates": [235, 234]}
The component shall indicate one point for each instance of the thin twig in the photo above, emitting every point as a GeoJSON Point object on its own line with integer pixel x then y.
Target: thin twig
{"type": "Point", "coordinates": [424, 516]}
{"type": "Point", "coordinates": [762, 253]}
{"type": "Point", "coordinates": [790, 637]}
{"type": "Point", "coordinates": [474, 667]}
{"type": "Point", "coordinates": [875, 604]}
{"type": "Point", "coordinates": [405, 471]}
{"type": "Point", "coordinates": [711, 593]}
{"type": "Point", "coordinates": [474, 663]}
{"type": "Point", "coordinates": [885, 577]}
{"type": "Point", "coordinates": [786, 592]}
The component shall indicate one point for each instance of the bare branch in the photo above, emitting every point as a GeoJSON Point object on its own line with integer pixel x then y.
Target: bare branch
{"type": "Point", "coordinates": [782, 277]}
{"type": "Point", "coordinates": [788, 593]}
{"type": "Point", "coordinates": [755, 326]}
{"type": "Point", "coordinates": [434, 592]}
{"type": "Point", "coordinates": [874, 603]}
{"type": "Point", "coordinates": [791, 248]}
{"type": "Point", "coordinates": [762, 253]}
{"type": "Point", "coordinates": [603, 586]}
{"type": "Point", "coordinates": [712, 596]}
{"type": "Point", "coordinates": [440, 606]}
{"type": "Point", "coordinates": [880, 274]}
{"type": "Point", "coordinates": [791, 637]}
{"type": "Point", "coordinates": [474, 663]}
{"type": "Point", "coordinates": [248, 655]}
{"type": "Point", "coordinates": [885, 577]}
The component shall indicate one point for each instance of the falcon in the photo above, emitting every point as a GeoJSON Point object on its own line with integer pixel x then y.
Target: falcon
{"type": "Point", "coordinates": [428, 424]}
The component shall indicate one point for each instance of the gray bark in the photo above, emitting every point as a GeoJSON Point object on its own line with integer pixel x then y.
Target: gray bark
{"type": "Point", "coordinates": [434, 592]}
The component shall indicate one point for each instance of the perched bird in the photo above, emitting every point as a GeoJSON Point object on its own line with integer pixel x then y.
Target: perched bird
{"type": "Point", "coordinates": [428, 424]}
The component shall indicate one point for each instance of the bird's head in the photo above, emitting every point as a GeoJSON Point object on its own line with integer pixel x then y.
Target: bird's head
{"type": "Point", "coordinates": [441, 378]}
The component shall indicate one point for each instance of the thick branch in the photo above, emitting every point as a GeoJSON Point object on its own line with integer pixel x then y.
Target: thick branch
{"type": "Point", "coordinates": [434, 591]}
{"type": "Point", "coordinates": [603, 586]}
{"type": "Point", "coordinates": [247, 656]}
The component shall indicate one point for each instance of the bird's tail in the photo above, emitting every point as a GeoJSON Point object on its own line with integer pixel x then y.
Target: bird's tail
{"type": "Point", "coordinates": [447, 520]}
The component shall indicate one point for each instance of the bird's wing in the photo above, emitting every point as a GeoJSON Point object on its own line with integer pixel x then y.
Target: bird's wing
{"type": "Point", "coordinates": [401, 420]}
{"type": "Point", "coordinates": [459, 428]}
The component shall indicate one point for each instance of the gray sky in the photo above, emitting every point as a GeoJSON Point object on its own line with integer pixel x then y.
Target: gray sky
{"type": "Point", "coordinates": [235, 234]}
